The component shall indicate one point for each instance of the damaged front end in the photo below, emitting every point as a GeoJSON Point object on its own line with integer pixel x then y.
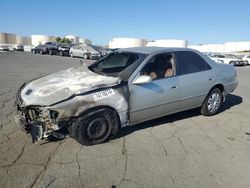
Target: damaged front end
{"type": "Point", "coordinates": [39, 121]}
{"type": "Point", "coordinates": [49, 105]}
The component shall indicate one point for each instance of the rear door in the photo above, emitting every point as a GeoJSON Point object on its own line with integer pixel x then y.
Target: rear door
{"type": "Point", "coordinates": [195, 78]}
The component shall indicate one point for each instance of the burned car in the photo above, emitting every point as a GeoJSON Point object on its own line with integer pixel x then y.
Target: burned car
{"type": "Point", "coordinates": [124, 88]}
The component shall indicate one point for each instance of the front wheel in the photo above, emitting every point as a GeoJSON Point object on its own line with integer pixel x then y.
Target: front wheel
{"type": "Point", "coordinates": [212, 103]}
{"type": "Point", "coordinates": [96, 128]}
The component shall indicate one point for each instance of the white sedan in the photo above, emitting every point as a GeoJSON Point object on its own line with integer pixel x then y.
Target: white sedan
{"type": "Point", "coordinates": [227, 59]}
{"type": "Point", "coordinates": [246, 58]}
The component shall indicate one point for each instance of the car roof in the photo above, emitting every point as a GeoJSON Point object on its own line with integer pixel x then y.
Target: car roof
{"type": "Point", "coordinates": [149, 50]}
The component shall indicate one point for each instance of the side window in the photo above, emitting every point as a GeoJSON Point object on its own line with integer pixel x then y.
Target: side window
{"type": "Point", "coordinates": [190, 62]}
{"type": "Point", "coordinates": [160, 66]}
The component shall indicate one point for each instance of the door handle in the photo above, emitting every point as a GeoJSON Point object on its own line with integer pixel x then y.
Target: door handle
{"type": "Point", "coordinates": [173, 87]}
{"type": "Point", "coordinates": [210, 79]}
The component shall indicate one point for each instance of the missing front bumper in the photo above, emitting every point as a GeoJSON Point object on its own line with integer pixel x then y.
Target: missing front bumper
{"type": "Point", "coordinates": [34, 128]}
{"type": "Point", "coordinates": [40, 130]}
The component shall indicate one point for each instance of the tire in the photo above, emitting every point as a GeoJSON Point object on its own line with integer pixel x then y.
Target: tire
{"type": "Point", "coordinates": [50, 52]}
{"type": "Point", "coordinates": [232, 63]}
{"type": "Point", "coordinates": [60, 53]}
{"type": "Point", "coordinates": [212, 103]}
{"type": "Point", "coordinates": [95, 128]}
{"type": "Point", "coordinates": [85, 56]}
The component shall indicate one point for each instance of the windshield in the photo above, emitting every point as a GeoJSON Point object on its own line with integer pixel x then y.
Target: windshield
{"type": "Point", "coordinates": [120, 64]}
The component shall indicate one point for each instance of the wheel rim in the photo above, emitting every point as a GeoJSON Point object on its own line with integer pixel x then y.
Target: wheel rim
{"type": "Point", "coordinates": [214, 102]}
{"type": "Point", "coordinates": [97, 128]}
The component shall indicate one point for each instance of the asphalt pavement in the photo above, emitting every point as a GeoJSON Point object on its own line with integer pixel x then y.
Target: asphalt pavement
{"type": "Point", "coordinates": [180, 150]}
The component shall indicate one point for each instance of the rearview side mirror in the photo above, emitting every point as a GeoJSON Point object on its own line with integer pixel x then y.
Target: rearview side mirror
{"type": "Point", "coordinates": [142, 79]}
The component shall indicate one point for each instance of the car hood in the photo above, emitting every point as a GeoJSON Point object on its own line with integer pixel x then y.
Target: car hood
{"type": "Point", "coordinates": [58, 86]}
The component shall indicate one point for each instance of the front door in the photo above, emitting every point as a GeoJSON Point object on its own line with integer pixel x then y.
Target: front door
{"type": "Point", "coordinates": [158, 97]}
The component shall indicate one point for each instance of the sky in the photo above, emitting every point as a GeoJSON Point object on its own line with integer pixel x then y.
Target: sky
{"type": "Point", "coordinates": [198, 21]}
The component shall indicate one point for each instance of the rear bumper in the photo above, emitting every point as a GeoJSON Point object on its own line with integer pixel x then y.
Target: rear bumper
{"type": "Point", "coordinates": [229, 88]}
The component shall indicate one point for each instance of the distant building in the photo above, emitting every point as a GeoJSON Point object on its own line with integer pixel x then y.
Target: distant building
{"type": "Point", "coordinates": [134, 42]}
{"type": "Point", "coordinates": [85, 41]}
{"type": "Point", "coordinates": [226, 47]}
{"type": "Point", "coordinates": [168, 43]}
{"type": "Point", "coordinates": [26, 40]}
{"type": "Point", "coordinates": [7, 38]}
{"type": "Point", "coordinates": [127, 42]}
{"type": "Point", "coordinates": [74, 39]}
{"type": "Point", "coordinates": [41, 39]}
{"type": "Point", "coordinates": [23, 40]}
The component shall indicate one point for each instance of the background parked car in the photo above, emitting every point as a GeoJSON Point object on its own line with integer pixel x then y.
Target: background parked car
{"type": "Point", "coordinates": [39, 49]}
{"type": "Point", "coordinates": [17, 47]}
{"type": "Point", "coordinates": [227, 59]}
{"type": "Point", "coordinates": [103, 52]}
{"type": "Point", "coordinates": [84, 51]}
{"type": "Point", "coordinates": [4, 47]}
{"type": "Point", "coordinates": [63, 49]}
{"type": "Point", "coordinates": [246, 58]}
{"type": "Point", "coordinates": [52, 48]}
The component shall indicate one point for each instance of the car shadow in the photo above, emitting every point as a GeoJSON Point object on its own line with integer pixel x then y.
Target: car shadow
{"type": "Point", "coordinates": [231, 100]}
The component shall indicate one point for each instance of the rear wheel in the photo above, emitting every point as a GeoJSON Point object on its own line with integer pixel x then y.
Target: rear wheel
{"type": "Point", "coordinates": [232, 63]}
{"type": "Point", "coordinates": [212, 103]}
{"type": "Point", "coordinates": [95, 128]}
{"type": "Point", "coordinates": [85, 56]}
{"type": "Point", "coordinates": [61, 53]}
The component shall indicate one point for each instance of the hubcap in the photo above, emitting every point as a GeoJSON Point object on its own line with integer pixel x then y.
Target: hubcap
{"type": "Point", "coordinates": [214, 102]}
{"type": "Point", "coordinates": [97, 128]}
